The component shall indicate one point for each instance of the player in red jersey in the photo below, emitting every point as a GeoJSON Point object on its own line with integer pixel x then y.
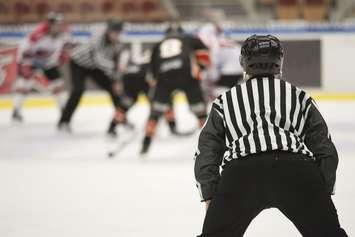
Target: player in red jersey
{"type": "Point", "coordinates": [40, 55]}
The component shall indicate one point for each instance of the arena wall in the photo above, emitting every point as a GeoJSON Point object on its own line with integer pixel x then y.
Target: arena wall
{"type": "Point", "coordinates": [318, 57]}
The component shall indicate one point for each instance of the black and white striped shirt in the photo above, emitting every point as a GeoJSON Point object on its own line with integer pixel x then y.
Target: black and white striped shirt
{"type": "Point", "coordinates": [98, 54]}
{"type": "Point", "coordinates": [259, 115]}
{"type": "Point", "coordinates": [262, 115]}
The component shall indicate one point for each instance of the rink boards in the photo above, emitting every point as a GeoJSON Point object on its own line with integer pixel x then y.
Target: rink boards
{"type": "Point", "coordinates": [98, 99]}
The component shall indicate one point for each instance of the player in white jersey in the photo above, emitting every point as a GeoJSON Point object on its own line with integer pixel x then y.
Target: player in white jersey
{"type": "Point", "coordinates": [225, 70]}
{"type": "Point", "coordinates": [40, 55]}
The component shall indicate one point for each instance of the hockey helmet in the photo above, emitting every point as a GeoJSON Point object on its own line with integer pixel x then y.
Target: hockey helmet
{"type": "Point", "coordinates": [262, 55]}
{"type": "Point", "coordinates": [174, 28]}
{"type": "Point", "coordinates": [114, 25]}
{"type": "Point", "coordinates": [53, 17]}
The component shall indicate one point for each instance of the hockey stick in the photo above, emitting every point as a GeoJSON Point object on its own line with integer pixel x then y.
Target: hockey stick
{"type": "Point", "coordinates": [185, 133]}
{"type": "Point", "coordinates": [122, 144]}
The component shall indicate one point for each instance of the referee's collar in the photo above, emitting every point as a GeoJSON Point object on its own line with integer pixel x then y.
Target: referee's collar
{"type": "Point", "coordinates": [262, 77]}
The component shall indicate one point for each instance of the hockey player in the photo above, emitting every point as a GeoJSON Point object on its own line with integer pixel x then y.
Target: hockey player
{"type": "Point", "coordinates": [277, 152]}
{"type": "Point", "coordinates": [224, 71]}
{"type": "Point", "coordinates": [175, 65]}
{"type": "Point", "coordinates": [135, 80]}
{"type": "Point", "coordinates": [230, 71]}
{"type": "Point", "coordinates": [98, 60]}
{"type": "Point", "coordinates": [41, 54]}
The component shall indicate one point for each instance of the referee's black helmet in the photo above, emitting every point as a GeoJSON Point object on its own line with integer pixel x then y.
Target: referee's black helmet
{"type": "Point", "coordinates": [174, 29]}
{"type": "Point", "coordinates": [262, 55]}
{"type": "Point", "coordinates": [114, 25]}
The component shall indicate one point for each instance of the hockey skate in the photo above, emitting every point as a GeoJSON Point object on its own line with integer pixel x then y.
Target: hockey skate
{"type": "Point", "coordinates": [17, 116]}
{"type": "Point", "coordinates": [175, 132]}
{"type": "Point", "coordinates": [112, 131]}
{"type": "Point", "coordinates": [145, 146]}
{"type": "Point", "coordinates": [64, 127]}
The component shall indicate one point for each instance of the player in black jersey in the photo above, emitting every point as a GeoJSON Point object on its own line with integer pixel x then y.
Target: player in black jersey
{"type": "Point", "coordinates": [175, 64]}
{"type": "Point", "coordinates": [134, 81]}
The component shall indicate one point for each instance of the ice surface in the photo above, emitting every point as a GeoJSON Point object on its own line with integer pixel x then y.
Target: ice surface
{"type": "Point", "coordinates": [54, 184]}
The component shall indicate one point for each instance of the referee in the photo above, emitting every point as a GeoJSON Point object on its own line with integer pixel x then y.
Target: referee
{"type": "Point", "coordinates": [98, 60]}
{"type": "Point", "coordinates": [274, 149]}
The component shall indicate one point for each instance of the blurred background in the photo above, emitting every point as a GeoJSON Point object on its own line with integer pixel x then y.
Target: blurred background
{"type": "Point", "coordinates": [56, 184]}
{"type": "Point", "coordinates": [317, 28]}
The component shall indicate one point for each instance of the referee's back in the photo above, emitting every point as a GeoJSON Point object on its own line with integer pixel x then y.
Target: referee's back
{"type": "Point", "coordinates": [264, 114]}
{"type": "Point", "coordinates": [275, 150]}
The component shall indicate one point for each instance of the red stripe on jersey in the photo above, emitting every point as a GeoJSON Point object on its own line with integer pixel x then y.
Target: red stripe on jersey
{"type": "Point", "coordinates": [203, 57]}
{"type": "Point", "coordinates": [41, 30]}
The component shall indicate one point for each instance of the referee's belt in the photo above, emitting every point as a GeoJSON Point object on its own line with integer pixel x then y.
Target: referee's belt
{"type": "Point", "coordinates": [276, 155]}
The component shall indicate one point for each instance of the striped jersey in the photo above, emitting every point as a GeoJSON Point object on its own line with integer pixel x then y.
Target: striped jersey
{"type": "Point", "coordinates": [98, 54]}
{"type": "Point", "coordinates": [264, 114]}
{"type": "Point", "coordinates": [260, 115]}
{"type": "Point", "coordinates": [41, 49]}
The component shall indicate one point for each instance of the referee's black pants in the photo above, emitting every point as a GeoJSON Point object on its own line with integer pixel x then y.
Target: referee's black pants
{"type": "Point", "coordinates": [79, 75]}
{"type": "Point", "coordinates": [273, 179]}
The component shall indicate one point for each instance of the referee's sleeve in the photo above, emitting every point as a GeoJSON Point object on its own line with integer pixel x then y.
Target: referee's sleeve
{"type": "Point", "coordinates": [208, 158]}
{"type": "Point", "coordinates": [318, 140]}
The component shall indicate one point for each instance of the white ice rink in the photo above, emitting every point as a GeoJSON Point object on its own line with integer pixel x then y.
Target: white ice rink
{"type": "Point", "coordinates": [60, 185]}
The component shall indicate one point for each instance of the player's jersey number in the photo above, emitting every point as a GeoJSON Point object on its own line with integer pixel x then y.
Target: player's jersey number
{"type": "Point", "coordinates": [170, 48]}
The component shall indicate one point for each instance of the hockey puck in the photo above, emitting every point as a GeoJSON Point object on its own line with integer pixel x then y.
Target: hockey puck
{"type": "Point", "coordinates": [110, 154]}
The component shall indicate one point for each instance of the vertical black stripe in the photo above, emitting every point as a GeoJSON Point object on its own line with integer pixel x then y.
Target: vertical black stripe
{"type": "Point", "coordinates": [262, 114]}
{"type": "Point", "coordinates": [273, 111]}
{"type": "Point", "coordinates": [293, 107]}
{"type": "Point", "coordinates": [232, 113]}
{"type": "Point", "coordinates": [289, 136]}
{"type": "Point", "coordinates": [229, 136]}
{"type": "Point", "coordinates": [297, 142]}
{"type": "Point", "coordinates": [237, 147]}
{"type": "Point", "coordinates": [244, 118]}
{"type": "Point", "coordinates": [283, 98]}
{"type": "Point", "coordinates": [282, 103]}
{"type": "Point", "coordinates": [220, 101]}
{"type": "Point", "coordinates": [253, 116]}
{"type": "Point", "coordinates": [228, 133]}
{"type": "Point", "coordinates": [308, 102]}
{"type": "Point", "coordinates": [300, 112]}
